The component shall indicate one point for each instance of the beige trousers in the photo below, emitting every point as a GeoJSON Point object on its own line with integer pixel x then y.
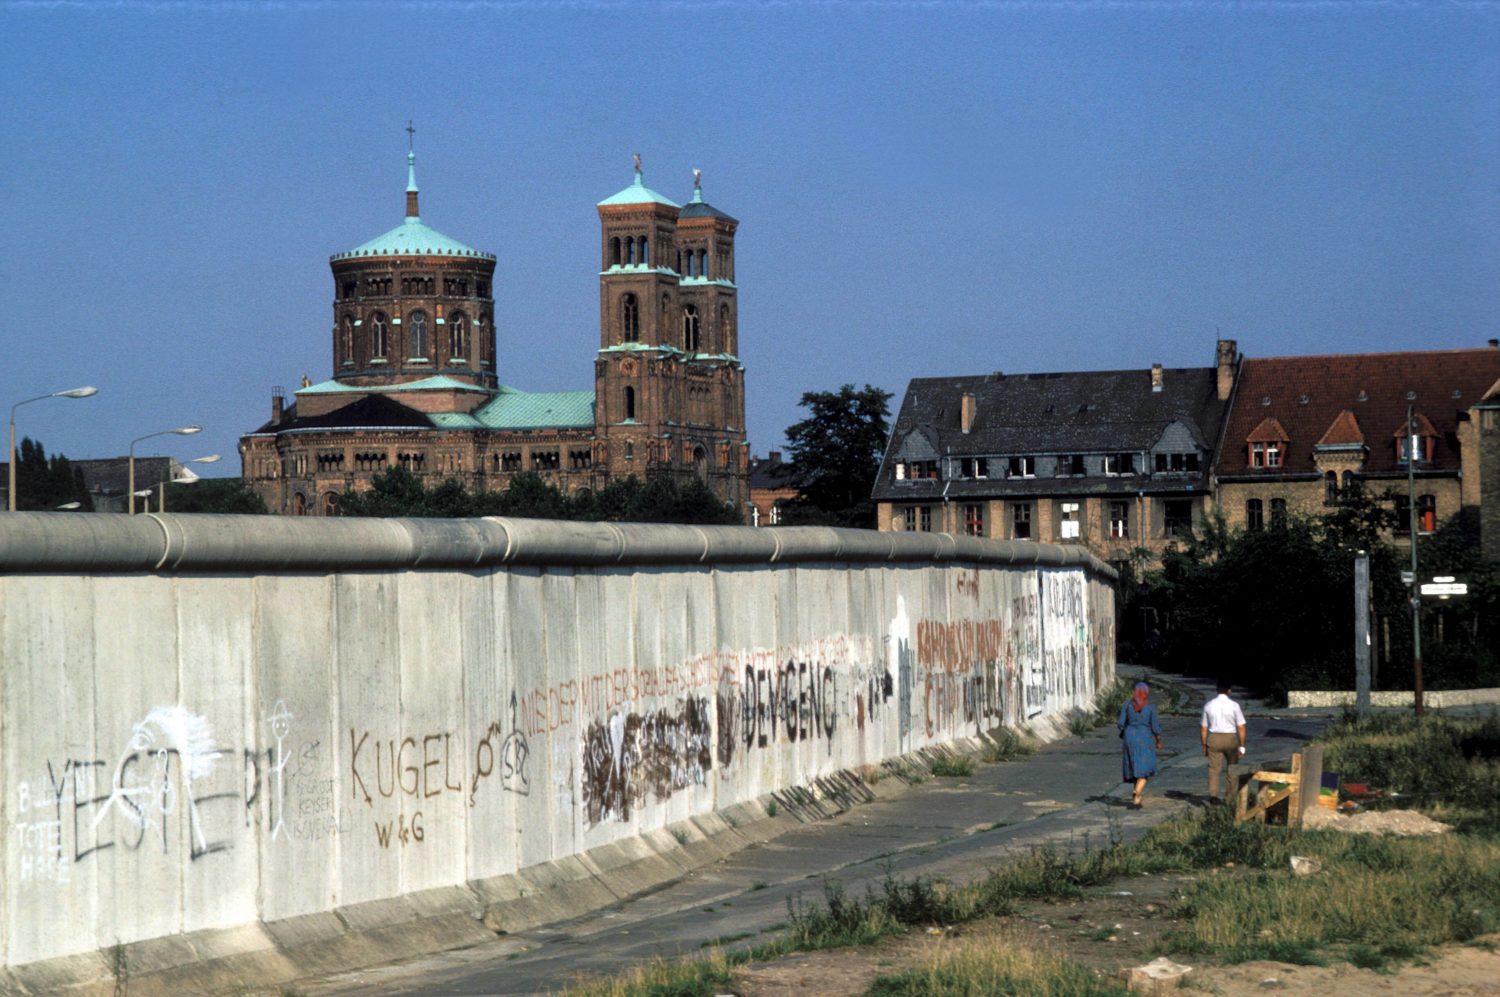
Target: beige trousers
{"type": "Point", "coordinates": [1223, 752]}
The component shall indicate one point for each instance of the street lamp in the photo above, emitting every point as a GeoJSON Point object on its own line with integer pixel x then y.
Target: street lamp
{"type": "Point", "coordinates": [179, 431]}
{"type": "Point", "coordinates": [70, 393]}
{"type": "Point", "coordinates": [187, 477]}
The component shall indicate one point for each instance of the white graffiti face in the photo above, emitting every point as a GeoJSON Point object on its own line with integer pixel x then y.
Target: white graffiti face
{"type": "Point", "coordinates": [169, 746]}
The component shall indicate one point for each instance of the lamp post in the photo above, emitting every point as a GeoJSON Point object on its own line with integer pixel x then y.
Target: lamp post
{"type": "Point", "coordinates": [70, 393]}
{"type": "Point", "coordinates": [179, 431]}
{"type": "Point", "coordinates": [1416, 588]}
{"type": "Point", "coordinates": [186, 478]}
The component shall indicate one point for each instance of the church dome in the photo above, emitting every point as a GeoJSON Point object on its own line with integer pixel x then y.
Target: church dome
{"type": "Point", "coordinates": [411, 237]}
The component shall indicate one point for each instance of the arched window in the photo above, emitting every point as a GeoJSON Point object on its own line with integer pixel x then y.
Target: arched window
{"type": "Point", "coordinates": [330, 503]}
{"type": "Point", "coordinates": [629, 450]}
{"type": "Point", "coordinates": [614, 251]}
{"type": "Point", "coordinates": [679, 263]}
{"type": "Point", "coordinates": [630, 318]}
{"type": "Point", "coordinates": [380, 335]}
{"type": "Point", "coordinates": [645, 254]}
{"type": "Point", "coordinates": [630, 403]}
{"type": "Point", "coordinates": [458, 336]}
{"type": "Point", "coordinates": [1348, 482]}
{"type": "Point", "coordinates": [702, 263]}
{"type": "Point", "coordinates": [1255, 515]}
{"type": "Point", "coordinates": [690, 338]}
{"type": "Point", "coordinates": [630, 252]}
{"type": "Point", "coordinates": [700, 462]}
{"type": "Point", "coordinates": [418, 335]}
{"type": "Point", "coordinates": [299, 504]}
{"type": "Point", "coordinates": [346, 340]}
{"type": "Point", "coordinates": [1330, 488]}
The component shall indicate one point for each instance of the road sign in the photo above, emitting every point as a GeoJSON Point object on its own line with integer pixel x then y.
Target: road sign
{"type": "Point", "coordinates": [1406, 577]}
{"type": "Point", "coordinates": [1445, 588]}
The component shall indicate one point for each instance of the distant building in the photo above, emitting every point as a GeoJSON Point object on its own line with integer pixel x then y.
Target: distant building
{"type": "Point", "coordinates": [414, 381]}
{"type": "Point", "coordinates": [1302, 429]}
{"type": "Point", "coordinates": [770, 487]}
{"type": "Point", "coordinates": [107, 480]}
{"type": "Point", "coordinates": [1125, 459]}
{"type": "Point", "coordinates": [1115, 459]}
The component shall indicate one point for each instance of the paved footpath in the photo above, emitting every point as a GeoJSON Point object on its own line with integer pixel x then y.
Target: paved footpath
{"type": "Point", "coordinates": [1069, 792]}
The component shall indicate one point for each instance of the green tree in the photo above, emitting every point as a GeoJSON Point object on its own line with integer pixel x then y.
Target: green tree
{"type": "Point", "coordinates": [835, 455]}
{"type": "Point", "coordinates": [228, 495]}
{"type": "Point", "coordinates": [45, 483]}
{"type": "Point", "coordinates": [398, 492]}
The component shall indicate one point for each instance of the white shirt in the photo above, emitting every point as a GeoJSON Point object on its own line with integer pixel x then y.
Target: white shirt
{"type": "Point", "coordinates": [1222, 715]}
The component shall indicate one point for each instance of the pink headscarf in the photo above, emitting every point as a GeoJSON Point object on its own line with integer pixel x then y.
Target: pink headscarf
{"type": "Point", "coordinates": [1138, 697]}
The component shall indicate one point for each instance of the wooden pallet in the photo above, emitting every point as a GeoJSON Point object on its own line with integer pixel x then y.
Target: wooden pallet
{"type": "Point", "coordinates": [1297, 789]}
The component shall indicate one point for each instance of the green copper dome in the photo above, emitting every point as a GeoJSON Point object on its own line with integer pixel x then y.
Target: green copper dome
{"type": "Point", "coordinates": [638, 193]}
{"type": "Point", "coordinates": [412, 238]}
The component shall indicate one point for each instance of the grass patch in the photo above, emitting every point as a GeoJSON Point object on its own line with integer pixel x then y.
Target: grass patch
{"type": "Point", "coordinates": [953, 767]}
{"type": "Point", "coordinates": [659, 978]}
{"type": "Point", "coordinates": [969, 967]}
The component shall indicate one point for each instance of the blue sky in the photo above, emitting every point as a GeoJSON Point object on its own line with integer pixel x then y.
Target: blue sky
{"type": "Point", "coordinates": [923, 188]}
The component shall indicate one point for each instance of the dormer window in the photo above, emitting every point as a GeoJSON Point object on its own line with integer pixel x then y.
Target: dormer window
{"type": "Point", "coordinates": [1119, 463]}
{"type": "Point", "coordinates": [1267, 454]}
{"type": "Point", "coordinates": [1416, 442]}
{"type": "Point", "coordinates": [974, 467]}
{"type": "Point", "coordinates": [1021, 467]}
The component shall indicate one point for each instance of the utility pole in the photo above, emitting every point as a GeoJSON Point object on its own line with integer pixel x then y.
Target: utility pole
{"type": "Point", "coordinates": [1362, 633]}
{"type": "Point", "coordinates": [1416, 590]}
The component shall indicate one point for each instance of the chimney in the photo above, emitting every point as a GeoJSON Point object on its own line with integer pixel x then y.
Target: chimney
{"type": "Point", "coordinates": [774, 458]}
{"type": "Point", "coordinates": [1156, 378]}
{"type": "Point", "coordinates": [278, 402]}
{"type": "Point", "coordinates": [1495, 344]}
{"type": "Point", "coordinates": [1226, 357]}
{"type": "Point", "coordinates": [966, 412]}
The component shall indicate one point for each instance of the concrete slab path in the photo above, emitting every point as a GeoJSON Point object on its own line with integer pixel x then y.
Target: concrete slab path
{"type": "Point", "coordinates": [1069, 792]}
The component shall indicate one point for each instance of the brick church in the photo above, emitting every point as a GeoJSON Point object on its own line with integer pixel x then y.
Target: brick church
{"type": "Point", "coordinates": [414, 383]}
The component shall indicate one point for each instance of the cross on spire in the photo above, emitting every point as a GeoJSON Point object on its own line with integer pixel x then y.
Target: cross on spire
{"type": "Point", "coordinates": [411, 136]}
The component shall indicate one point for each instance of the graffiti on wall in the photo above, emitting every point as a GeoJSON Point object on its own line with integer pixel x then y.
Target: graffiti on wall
{"type": "Point", "coordinates": [630, 756]}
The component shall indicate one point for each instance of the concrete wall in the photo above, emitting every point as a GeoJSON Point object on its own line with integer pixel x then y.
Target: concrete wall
{"type": "Point", "coordinates": [212, 721]}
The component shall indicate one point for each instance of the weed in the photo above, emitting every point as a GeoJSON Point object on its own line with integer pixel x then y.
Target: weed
{"type": "Point", "coordinates": [953, 767]}
{"type": "Point", "coordinates": [984, 966]}
{"type": "Point", "coordinates": [732, 821]}
{"type": "Point", "coordinates": [771, 809]}
{"type": "Point", "coordinates": [1105, 934]}
{"type": "Point", "coordinates": [119, 968]}
{"type": "Point", "coordinates": [1080, 723]}
{"type": "Point", "coordinates": [1007, 745]}
{"type": "Point", "coordinates": [682, 978]}
{"type": "Point", "coordinates": [759, 884]}
{"type": "Point", "coordinates": [680, 835]}
{"type": "Point", "coordinates": [727, 940]}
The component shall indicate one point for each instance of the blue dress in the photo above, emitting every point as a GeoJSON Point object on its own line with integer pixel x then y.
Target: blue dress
{"type": "Point", "coordinates": [1140, 731]}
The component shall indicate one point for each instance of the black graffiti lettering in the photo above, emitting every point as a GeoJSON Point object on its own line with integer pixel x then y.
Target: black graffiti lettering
{"type": "Point", "coordinates": [200, 846]}
{"type": "Point", "coordinates": [81, 803]}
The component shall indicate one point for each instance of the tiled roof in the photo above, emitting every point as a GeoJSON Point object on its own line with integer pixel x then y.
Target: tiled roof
{"type": "Point", "coordinates": [1308, 395]}
{"type": "Point", "coordinates": [1084, 412]}
{"type": "Point", "coordinates": [1345, 431]}
{"type": "Point", "coordinates": [367, 412]}
{"type": "Point", "coordinates": [1268, 431]}
{"type": "Point", "coordinates": [514, 409]}
{"type": "Point", "coordinates": [770, 473]}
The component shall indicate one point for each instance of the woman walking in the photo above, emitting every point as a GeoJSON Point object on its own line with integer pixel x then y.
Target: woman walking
{"type": "Point", "coordinates": [1141, 731]}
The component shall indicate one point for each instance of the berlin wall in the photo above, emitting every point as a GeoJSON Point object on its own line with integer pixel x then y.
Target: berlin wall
{"type": "Point", "coordinates": [212, 721]}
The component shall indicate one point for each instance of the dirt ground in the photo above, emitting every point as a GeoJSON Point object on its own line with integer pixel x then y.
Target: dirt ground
{"type": "Point", "coordinates": [1113, 932]}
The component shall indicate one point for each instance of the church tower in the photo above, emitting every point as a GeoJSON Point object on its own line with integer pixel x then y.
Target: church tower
{"type": "Point", "coordinates": [413, 304]}
{"type": "Point", "coordinates": [669, 385]}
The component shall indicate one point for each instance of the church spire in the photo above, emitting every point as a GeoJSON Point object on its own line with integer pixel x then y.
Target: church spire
{"type": "Point", "coordinates": [697, 187]}
{"type": "Point", "coordinates": [411, 172]}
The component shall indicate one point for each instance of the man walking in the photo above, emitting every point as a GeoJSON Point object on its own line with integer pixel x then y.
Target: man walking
{"type": "Point", "coordinates": [1223, 735]}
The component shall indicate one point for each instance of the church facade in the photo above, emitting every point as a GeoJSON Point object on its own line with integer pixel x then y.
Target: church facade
{"type": "Point", "coordinates": [414, 358]}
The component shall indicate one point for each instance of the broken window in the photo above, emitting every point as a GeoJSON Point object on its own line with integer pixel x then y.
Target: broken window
{"type": "Point", "coordinates": [974, 519]}
{"type": "Point", "coordinates": [1119, 519]}
{"type": "Point", "coordinates": [1177, 516]}
{"type": "Point", "coordinates": [1022, 467]}
{"type": "Point", "coordinates": [975, 467]}
{"type": "Point", "coordinates": [1119, 463]}
{"type": "Point", "coordinates": [1068, 521]}
{"type": "Point", "coordinates": [1020, 520]}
